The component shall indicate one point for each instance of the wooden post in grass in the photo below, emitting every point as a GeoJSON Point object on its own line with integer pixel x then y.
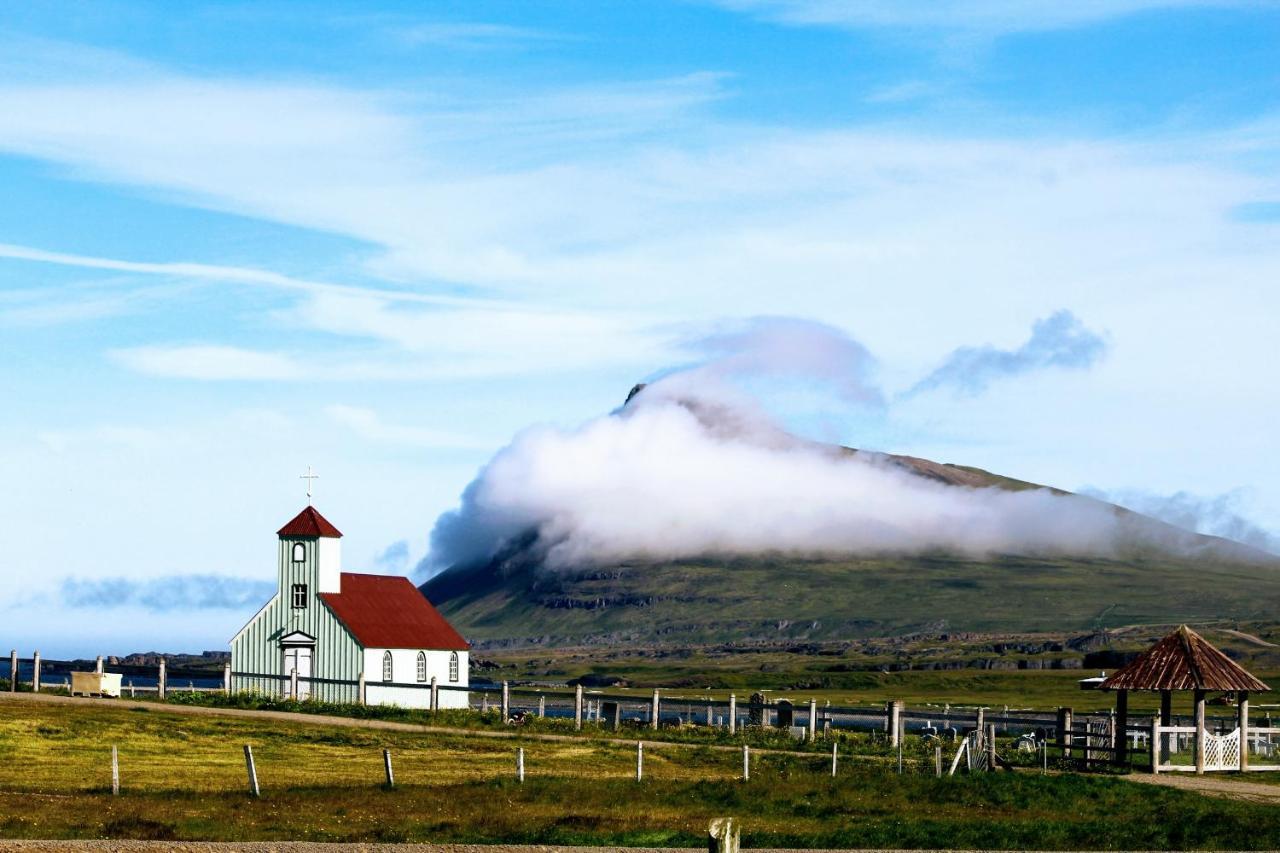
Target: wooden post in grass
{"type": "Point", "coordinates": [97, 666]}
{"type": "Point", "coordinates": [834, 758]}
{"type": "Point", "coordinates": [577, 708]}
{"type": "Point", "coordinates": [293, 684]}
{"type": "Point", "coordinates": [639, 760]}
{"type": "Point", "coordinates": [746, 762]}
{"type": "Point", "coordinates": [253, 771]}
{"type": "Point", "coordinates": [115, 771]}
{"type": "Point", "coordinates": [723, 836]}
{"type": "Point", "coordinates": [980, 723]}
{"type": "Point", "coordinates": [386, 765]}
{"type": "Point", "coordinates": [226, 678]}
{"type": "Point", "coordinates": [160, 680]}
{"type": "Point", "coordinates": [435, 694]}
{"type": "Point", "coordinates": [360, 692]}
{"type": "Point", "coordinates": [733, 713]}
{"type": "Point", "coordinates": [937, 761]}
{"type": "Point", "coordinates": [13, 671]}
{"type": "Point", "coordinates": [654, 709]}
{"type": "Point", "coordinates": [506, 704]}
{"type": "Point", "coordinates": [1155, 745]}
{"type": "Point", "coordinates": [813, 720]}
{"type": "Point", "coordinates": [35, 671]}
{"type": "Point", "coordinates": [520, 765]}
{"type": "Point", "coordinates": [991, 747]}
{"type": "Point", "coordinates": [542, 705]}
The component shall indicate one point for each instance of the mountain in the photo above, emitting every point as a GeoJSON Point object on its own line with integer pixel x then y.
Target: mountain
{"type": "Point", "coordinates": [514, 599]}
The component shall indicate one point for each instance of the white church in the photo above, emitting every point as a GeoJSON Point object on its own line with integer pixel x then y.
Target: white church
{"type": "Point", "coordinates": [337, 627]}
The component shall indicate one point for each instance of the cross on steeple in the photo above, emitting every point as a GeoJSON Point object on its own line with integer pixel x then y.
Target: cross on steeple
{"type": "Point", "coordinates": [309, 477]}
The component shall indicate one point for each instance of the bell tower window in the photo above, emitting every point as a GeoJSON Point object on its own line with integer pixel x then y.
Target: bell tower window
{"type": "Point", "coordinates": [299, 552]}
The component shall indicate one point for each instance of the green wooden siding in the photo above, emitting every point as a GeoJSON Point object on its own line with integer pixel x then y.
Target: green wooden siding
{"type": "Point", "coordinates": [256, 649]}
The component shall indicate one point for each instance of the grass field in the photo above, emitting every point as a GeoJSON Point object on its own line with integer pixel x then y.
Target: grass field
{"type": "Point", "coordinates": [183, 778]}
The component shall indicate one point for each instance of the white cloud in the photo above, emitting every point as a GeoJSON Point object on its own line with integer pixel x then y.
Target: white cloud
{"type": "Point", "coordinates": [986, 16]}
{"type": "Point", "coordinates": [209, 362]}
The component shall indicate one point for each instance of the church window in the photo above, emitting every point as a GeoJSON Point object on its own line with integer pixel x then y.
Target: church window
{"type": "Point", "coordinates": [453, 666]}
{"type": "Point", "coordinates": [299, 595]}
{"type": "Point", "coordinates": [299, 552]}
{"type": "Point", "coordinates": [386, 666]}
{"type": "Point", "coordinates": [422, 666]}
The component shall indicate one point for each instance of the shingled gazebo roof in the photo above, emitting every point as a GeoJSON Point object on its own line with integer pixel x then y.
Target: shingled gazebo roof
{"type": "Point", "coordinates": [1183, 661]}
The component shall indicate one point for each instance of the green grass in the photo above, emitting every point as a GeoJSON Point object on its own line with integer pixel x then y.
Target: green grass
{"type": "Point", "coordinates": [183, 778]}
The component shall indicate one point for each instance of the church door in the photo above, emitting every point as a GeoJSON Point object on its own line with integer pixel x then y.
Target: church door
{"type": "Point", "coordinates": [299, 658]}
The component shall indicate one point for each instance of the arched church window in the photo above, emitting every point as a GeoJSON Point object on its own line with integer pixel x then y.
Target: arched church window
{"type": "Point", "coordinates": [299, 552]}
{"type": "Point", "coordinates": [386, 666]}
{"type": "Point", "coordinates": [453, 666]}
{"type": "Point", "coordinates": [422, 666]}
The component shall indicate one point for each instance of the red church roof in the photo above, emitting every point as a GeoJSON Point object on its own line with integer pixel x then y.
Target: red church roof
{"type": "Point", "coordinates": [309, 523]}
{"type": "Point", "coordinates": [385, 612]}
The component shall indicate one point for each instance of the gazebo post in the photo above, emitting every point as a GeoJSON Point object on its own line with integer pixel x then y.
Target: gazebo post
{"type": "Point", "coordinates": [1166, 719]}
{"type": "Point", "coordinates": [1242, 712]}
{"type": "Point", "coordinates": [1199, 694]}
{"type": "Point", "coordinates": [1120, 756]}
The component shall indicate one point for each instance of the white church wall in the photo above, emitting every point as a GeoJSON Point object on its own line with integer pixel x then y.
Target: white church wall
{"type": "Point", "coordinates": [404, 670]}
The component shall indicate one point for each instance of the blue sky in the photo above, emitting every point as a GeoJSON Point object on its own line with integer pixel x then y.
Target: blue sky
{"type": "Point", "coordinates": [382, 238]}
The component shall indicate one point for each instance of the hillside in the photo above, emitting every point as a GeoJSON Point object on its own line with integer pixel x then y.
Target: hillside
{"type": "Point", "coordinates": [516, 601]}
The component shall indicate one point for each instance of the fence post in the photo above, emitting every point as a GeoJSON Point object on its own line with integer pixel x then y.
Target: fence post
{"type": "Point", "coordinates": [253, 771]}
{"type": "Point", "coordinates": [226, 678]}
{"type": "Point", "coordinates": [1200, 732]}
{"type": "Point", "coordinates": [1155, 745]}
{"type": "Point", "coordinates": [746, 762]}
{"type": "Point", "coordinates": [542, 705]}
{"type": "Point", "coordinates": [991, 747]}
{"type": "Point", "coordinates": [733, 713]}
{"type": "Point", "coordinates": [937, 761]}
{"type": "Point", "coordinates": [35, 671]}
{"type": "Point", "coordinates": [834, 757]}
{"type": "Point", "coordinates": [506, 710]}
{"type": "Point", "coordinates": [1064, 731]}
{"type": "Point", "coordinates": [723, 836]}
{"type": "Point", "coordinates": [893, 715]}
{"type": "Point", "coordinates": [160, 684]}
{"type": "Point", "coordinates": [980, 723]}
{"type": "Point", "coordinates": [639, 760]}
{"type": "Point", "coordinates": [97, 666]}
{"type": "Point", "coordinates": [577, 708]}
{"type": "Point", "coordinates": [653, 710]}
{"type": "Point", "coordinates": [360, 692]}
{"type": "Point", "coordinates": [386, 765]}
{"type": "Point", "coordinates": [520, 764]}
{"type": "Point", "coordinates": [813, 720]}
{"type": "Point", "coordinates": [435, 694]}
{"type": "Point", "coordinates": [293, 684]}
{"type": "Point", "coordinates": [1242, 713]}
{"type": "Point", "coordinates": [115, 771]}
{"type": "Point", "coordinates": [13, 671]}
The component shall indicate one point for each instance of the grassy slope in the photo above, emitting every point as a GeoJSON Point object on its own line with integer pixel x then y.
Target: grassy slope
{"type": "Point", "coordinates": [183, 778]}
{"type": "Point", "coordinates": [771, 598]}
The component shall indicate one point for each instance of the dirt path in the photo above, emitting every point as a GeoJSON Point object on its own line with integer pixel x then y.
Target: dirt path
{"type": "Point", "coordinates": [1214, 786]}
{"type": "Point", "coordinates": [350, 722]}
{"type": "Point", "coordinates": [1248, 638]}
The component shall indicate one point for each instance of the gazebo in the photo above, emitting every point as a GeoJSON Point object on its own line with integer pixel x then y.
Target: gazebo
{"type": "Point", "coordinates": [1184, 661]}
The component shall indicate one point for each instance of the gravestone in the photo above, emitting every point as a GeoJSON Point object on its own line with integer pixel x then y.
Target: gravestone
{"type": "Point", "coordinates": [612, 713]}
{"type": "Point", "coordinates": [755, 712]}
{"type": "Point", "coordinates": [786, 714]}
